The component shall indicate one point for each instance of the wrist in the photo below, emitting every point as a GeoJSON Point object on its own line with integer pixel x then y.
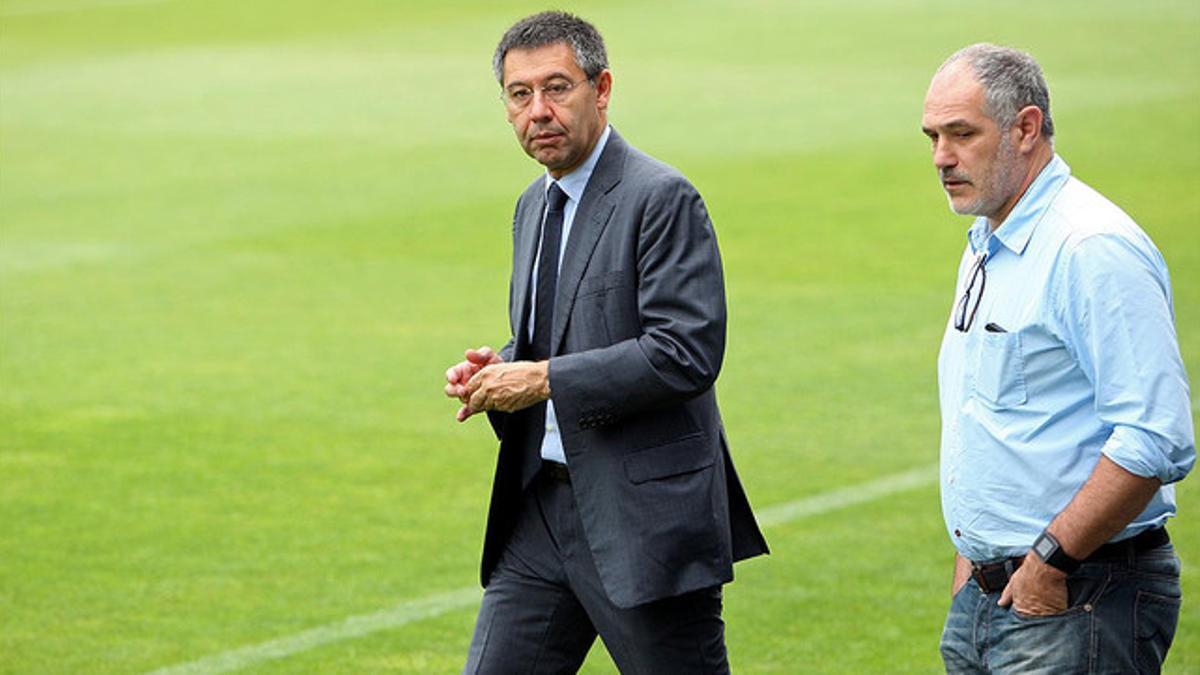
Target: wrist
{"type": "Point", "coordinates": [1035, 566]}
{"type": "Point", "coordinates": [543, 370]}
{"type": "Point", "coordinates": [1048, 552]}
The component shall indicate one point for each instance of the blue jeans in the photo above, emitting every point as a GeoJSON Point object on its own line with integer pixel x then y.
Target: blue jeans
{"type": "Point", "coordinates": [1120, 618]}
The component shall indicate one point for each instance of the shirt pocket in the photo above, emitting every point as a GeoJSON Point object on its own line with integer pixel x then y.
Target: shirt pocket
{"type": "Point", "coordinates": [1000, 371]}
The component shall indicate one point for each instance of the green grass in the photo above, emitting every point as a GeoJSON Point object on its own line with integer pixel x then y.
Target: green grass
{"type": "Point", "coordinates": [240, 242]}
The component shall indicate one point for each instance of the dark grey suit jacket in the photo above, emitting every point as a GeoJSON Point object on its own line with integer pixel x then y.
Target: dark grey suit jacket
{"type": "Point", "coordinates": [637, 342]}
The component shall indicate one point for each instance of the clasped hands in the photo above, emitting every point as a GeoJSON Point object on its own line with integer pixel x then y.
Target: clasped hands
{"type": "Point", "coordinates": [484, 381]}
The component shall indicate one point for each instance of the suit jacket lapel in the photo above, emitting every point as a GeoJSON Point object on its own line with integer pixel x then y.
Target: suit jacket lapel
{"type": "Point", "coordinates": [528, 231]}
{"type": "Point", "coordinates": [591, 217]}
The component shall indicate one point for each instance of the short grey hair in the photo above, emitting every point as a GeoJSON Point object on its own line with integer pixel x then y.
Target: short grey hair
{"type": "Point", "coordinates": [1011, 79]}
{"type": "Point", "coordinates": [548, 28]}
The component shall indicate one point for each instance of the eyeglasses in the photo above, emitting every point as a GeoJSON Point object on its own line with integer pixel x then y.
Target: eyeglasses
{"type": "Point", "coordinates": [520, 96]}
{"type": "Point", "coordinates": [964, 312]}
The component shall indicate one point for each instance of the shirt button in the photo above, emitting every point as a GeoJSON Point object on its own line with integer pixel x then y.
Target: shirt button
{"type": "Point", "coordinates": [550, 427]}
{"type": "Point", "coordinates": [957, 532]}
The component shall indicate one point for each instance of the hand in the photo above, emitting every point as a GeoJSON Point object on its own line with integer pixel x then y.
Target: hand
{"type": "Point", "coordinates": [508, 387]}
{"type": "Point", "coordinates": [1036, 589]}
{"type": "Point", "coordinates": [459, 374]}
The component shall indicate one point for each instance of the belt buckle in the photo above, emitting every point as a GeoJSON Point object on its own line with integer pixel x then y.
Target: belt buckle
{"type": "Point", "coordinates": [980, 579]}
{"type": "Point", "coordinates": [981, 573]}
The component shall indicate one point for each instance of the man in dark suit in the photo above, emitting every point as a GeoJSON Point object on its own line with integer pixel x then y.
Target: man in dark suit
{"type": "Point", "coordinates": [615, 507]}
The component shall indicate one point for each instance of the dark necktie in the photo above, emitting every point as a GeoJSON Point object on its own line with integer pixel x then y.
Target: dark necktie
{"type": "Point", "coordinates": [547, 273]}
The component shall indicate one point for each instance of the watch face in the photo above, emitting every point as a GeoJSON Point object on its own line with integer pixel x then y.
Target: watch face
{"type": "Point", "coordinates": [1044, 546]}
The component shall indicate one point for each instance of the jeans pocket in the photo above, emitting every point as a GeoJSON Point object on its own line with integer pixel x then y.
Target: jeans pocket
{"type": "Point", "coordinates": [1154, 620]}
{"type": "Point", "coordinates": [1057, 643]}
{"type": "Point", "coordinates": [1083, 592]}
{"type": "Point", "coordinates": [1034, 618]}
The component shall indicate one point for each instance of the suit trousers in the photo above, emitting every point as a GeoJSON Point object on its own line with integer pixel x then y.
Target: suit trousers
{"type": "Point", "coordinates": [545, 604]}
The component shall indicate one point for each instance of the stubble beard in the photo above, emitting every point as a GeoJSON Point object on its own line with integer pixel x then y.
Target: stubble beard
{"type": "Point", "coordinates": [992, 188]}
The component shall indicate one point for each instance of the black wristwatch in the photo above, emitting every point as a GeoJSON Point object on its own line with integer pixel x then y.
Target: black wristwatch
{"type": "Point", "coordinates": [1050, 551]}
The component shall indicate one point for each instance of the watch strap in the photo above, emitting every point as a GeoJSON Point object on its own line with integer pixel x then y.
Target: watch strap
{"type": "Point", "coordinates": [1047, 548]}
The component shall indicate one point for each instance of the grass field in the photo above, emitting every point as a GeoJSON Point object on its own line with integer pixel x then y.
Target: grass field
{"type": "Point", "coordinates": [241, 241]}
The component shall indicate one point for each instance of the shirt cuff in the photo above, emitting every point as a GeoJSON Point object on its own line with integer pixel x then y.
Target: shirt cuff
{"type": "Point", "coordinates": [1147, 455]}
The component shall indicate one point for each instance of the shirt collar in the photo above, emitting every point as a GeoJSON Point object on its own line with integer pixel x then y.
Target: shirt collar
{"type": "Point", "coordinates": [575, 182]}
{"type": "Point", "coordinates": [1016, 230]}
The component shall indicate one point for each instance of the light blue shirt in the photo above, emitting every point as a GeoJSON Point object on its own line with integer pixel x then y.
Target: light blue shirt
{"type": "Point", "coordinates": [1088, 364]}
{"type": "Point", "coordinates": [573, 184]}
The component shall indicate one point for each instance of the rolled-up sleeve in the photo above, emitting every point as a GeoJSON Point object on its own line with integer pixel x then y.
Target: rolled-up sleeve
{"type": "Point", "coordinates": [1119, 325]}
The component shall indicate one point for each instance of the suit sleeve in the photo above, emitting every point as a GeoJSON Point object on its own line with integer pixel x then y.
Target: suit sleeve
{"type": "Point", "coordinates": [681, 307]}
{"type": "Point", "coordinates": [506, 352]}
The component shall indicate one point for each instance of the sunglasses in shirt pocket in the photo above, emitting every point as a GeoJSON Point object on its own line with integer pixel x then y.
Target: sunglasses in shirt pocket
{"type": "Point", "coordinates": [1000, 370]}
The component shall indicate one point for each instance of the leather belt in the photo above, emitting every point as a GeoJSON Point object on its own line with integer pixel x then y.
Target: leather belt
{"type": "Point", "coordinates": [993, 577]}
{"type": "Point", "coordinates": [556, 471]}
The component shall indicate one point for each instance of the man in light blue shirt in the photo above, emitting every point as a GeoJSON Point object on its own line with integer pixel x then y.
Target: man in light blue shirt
{"type": "Point", "coordinates": [1065, 405]}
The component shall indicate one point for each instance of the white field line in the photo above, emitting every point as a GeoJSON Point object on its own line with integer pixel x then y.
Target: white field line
{"type": "Point", "coordinates": [847, 496]}
{"type": "Point", "coordinates": [352, 627]}
{"type": "Point", "coordinates": [436, 605]}
{"type": "Point", "coordinates": [33, 8]}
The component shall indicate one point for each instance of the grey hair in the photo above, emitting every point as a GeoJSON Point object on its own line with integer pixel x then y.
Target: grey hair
{"type": "Point", "coordinates": [1011, 80]}
{"type": "Point", "coordinates": [548, 28]}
